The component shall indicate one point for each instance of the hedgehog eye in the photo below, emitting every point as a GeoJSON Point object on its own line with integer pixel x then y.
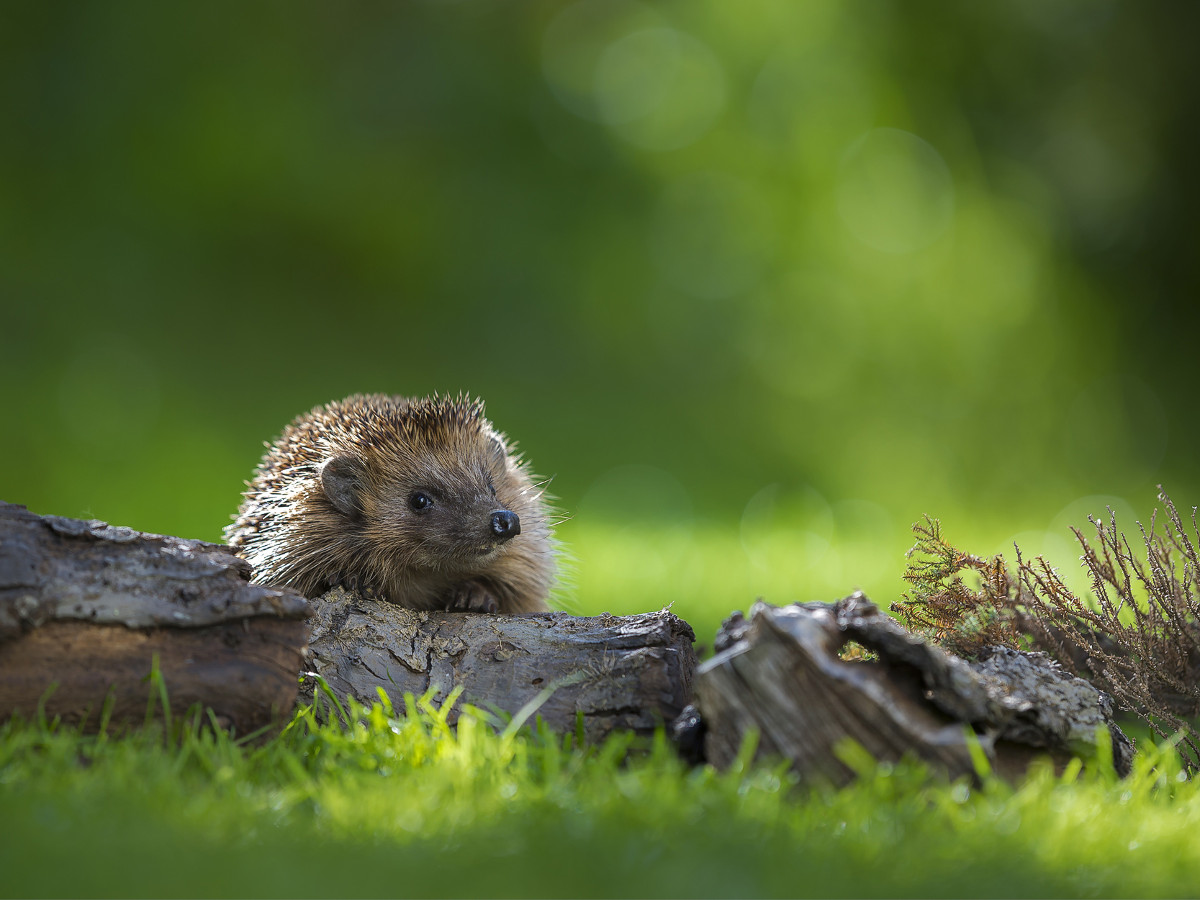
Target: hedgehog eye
{"type": "Point", "coordinates": [420, 501]}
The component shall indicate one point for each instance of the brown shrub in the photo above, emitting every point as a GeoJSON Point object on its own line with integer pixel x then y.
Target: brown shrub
{"type": "Point", "coordinates": [1137, 637]}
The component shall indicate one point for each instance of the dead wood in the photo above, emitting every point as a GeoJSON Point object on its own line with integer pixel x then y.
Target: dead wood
{"type": "Point", "coordinates": [616, 672]}
{"type": "Point", "coordinates": [85, 607]}
{"type": "Point", "coordinates": [780, 673]}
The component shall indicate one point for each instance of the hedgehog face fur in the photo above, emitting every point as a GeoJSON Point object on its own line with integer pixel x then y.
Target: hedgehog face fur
{"type": "Point", "coordinates": [418, 501]}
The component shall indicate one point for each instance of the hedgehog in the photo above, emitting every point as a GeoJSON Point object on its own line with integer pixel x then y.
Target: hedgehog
{"type": "Point", "coordinates": [417, 501]}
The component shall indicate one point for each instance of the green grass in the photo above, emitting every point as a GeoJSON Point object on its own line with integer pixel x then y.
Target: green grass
{"type": "Point", "coordinates": [378, 804]}
{"type": "Point", "coordinates": [704, 569]}
{"type": "Point", "coordinates": [404, 805]}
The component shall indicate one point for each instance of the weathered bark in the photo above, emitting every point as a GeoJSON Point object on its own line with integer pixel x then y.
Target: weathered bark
{"type": "Point", "coordinates": [780, 674]}
{"type": "Point", "coordinates": [617, 672]}
{"type": "Point", "coordinates": [85, 607]}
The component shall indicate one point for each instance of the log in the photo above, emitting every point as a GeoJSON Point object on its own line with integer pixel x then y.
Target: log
{"type": "Point", "coordinates": [86, 607]}
{"type": "Point", "coordinates": [780, 673]}
{"type": "Point", "coordinates": [615, 672]}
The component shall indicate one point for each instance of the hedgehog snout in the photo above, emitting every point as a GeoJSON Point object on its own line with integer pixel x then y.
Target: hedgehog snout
{"type": "Point", "coordinates": [505, 524]}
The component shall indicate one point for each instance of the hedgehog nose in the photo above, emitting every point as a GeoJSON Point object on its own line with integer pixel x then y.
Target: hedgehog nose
{"type": "Point", "coordinates": [505, 524]}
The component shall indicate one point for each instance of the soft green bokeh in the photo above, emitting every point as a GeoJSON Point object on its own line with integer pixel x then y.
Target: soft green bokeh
{"type": "Point", "coordinates": [759, 284]}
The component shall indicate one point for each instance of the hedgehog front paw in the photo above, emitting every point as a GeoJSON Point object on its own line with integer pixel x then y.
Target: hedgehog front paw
{"type": "Point", "coordinates": [471, 596]}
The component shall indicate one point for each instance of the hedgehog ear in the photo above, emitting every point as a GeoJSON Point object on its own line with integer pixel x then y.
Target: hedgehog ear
{"type": "Point", "coordinates": [341, 480]}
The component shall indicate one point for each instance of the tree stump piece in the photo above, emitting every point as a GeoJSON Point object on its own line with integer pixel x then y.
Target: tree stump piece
{"type": "Point", "coordinates": [781, 674]}
{"type": "Point", "coordinates": [85, 607]}
{"type": "Point", "coordinates": [617, 672]}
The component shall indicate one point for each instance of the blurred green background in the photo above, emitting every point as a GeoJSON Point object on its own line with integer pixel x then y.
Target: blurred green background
{"type": "Point", "coordinates": [757, 283]}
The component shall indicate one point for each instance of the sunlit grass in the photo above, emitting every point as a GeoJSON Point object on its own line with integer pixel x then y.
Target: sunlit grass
{"type": "Point", "coordinates": [706, 569]}
{"type": "Point", "coordinates": [407, 806]}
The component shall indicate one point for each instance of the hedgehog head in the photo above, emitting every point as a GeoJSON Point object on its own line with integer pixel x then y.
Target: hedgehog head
{"type": "Point", "coordinates": [431, 481]}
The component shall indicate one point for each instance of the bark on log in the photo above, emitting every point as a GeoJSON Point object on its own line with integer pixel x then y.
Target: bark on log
{"type": "Point", "coordinates": [86, 606]}
{"type": "Point", "coordinates": [618, 672]}
{"type": "Point", "coordinates": [780, 673]}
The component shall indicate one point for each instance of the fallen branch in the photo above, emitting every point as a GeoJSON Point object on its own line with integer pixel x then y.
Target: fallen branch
{"type": "Point", "coordinates": [613, 672]}
{"type": "Point", "coordinates": [86, 607]}
{"type": "Point", "coordinates": [780, 673]}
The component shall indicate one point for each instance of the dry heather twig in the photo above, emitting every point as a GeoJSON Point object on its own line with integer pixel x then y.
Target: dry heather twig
{"type": "Point", "coordinates": [1138, 638]}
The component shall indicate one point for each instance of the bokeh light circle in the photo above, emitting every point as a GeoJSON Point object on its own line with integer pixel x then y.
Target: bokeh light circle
{"type": "Point", "coordinates": [578, 37]}
{"type": "Point", "coordinates": [894, 191]}
{"type": "Point", "coordinates": [659, 89]}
